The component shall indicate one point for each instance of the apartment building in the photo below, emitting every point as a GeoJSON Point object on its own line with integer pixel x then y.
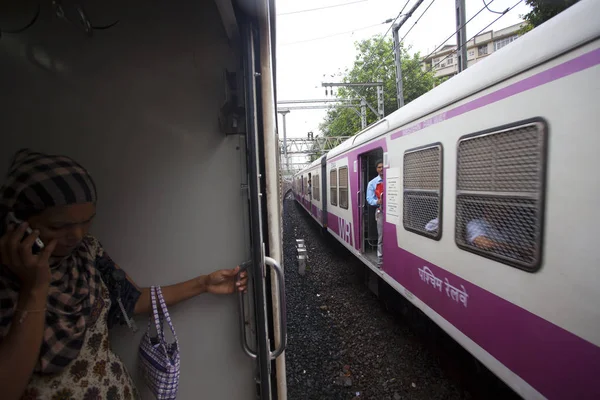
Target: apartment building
{"type": "Point", "coordinates": [444, 61]}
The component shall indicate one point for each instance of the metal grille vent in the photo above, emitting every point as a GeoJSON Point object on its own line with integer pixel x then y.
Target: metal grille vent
{"type": "Point", "coordinates": [422, 169]}
{"type": "Point", "coordinates": [422, 191]}
{"type": "Point", "coordinates": [509, 161]}
{"type": "Point", "coordinates": [499, 195]}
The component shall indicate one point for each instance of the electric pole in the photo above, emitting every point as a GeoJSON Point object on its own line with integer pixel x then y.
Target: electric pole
{"type": "Point", "coordinates": [398, 53]}
{"type": "Point", "coordinates": [461, 34]}
{"type": "Point", "coordinates": [398, 61]}
{"type": "Point", "coordinates": [285, 156]}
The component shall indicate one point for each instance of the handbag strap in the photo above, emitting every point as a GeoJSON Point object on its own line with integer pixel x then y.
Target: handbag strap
{"type": "Point", "coordinates": [155, 316]}
{"type": "Point", "coordinates": [165, 311]}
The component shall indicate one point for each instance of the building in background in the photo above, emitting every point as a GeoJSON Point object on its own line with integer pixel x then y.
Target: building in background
{"type": "Point", "coordinates": [444, 61]}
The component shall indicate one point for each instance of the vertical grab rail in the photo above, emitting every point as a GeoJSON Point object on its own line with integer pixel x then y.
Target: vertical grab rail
{"type": "Point", "coordinates": [282, 309]}
{"type": "Point", "coordinates": [242, 304]}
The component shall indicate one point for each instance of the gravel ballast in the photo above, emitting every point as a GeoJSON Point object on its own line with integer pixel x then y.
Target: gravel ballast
{"type": "Point", "coordinates": [344, 344]}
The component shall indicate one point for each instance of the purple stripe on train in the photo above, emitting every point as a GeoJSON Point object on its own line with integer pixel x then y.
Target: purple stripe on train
{"type": "Point", "coordinates": [573, 66]}
{"type": "Point", "coordinates": [554, 361]}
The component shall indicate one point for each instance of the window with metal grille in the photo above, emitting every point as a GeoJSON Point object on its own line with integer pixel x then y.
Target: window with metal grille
{"type": "Point", "coordinates": [316, 188]}
{"type": "Point", "coordinates": [343, 187]}
{"type": "Point", "coordinates": [500, 194]}
{"type": "Point", "coordinates": [423, 191]}
{"type": "Point", "coordinates": [333, 187]}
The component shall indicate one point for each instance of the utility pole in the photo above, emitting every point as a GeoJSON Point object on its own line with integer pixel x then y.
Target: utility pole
{"type": "Point", "coordinates": [363, 113]}
{"type": "Point", "coordinates": [398, 55]}
{"type": "Point", "coordinates": [285, 155]}
{"type": "Point", "coordinates": [398, 61]}
{"type": "Point", "coordinates": [461, 34]}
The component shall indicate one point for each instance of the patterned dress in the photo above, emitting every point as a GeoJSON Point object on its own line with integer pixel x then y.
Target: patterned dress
{"type": "Point", "coordinates": [96, 374]}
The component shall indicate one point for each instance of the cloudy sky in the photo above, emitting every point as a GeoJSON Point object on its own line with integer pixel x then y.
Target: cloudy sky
{"type": "Point", "coordinates": [313, 45]}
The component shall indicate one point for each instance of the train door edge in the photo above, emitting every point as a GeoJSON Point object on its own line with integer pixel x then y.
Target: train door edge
{"type": "Point", "coordinates": [262, 307]}
{"type": "Point", "coordinates": [367, 170]}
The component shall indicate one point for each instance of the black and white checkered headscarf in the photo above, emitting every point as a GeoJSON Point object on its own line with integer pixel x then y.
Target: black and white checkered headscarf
{"type": "Point", "coordinates": [35, 182]}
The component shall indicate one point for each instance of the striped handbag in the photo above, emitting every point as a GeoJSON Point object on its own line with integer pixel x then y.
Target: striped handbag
{"type": "Point", "coordinates": [159, 360]}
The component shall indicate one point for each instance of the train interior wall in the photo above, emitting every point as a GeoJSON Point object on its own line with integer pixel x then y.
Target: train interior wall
{"type": "Point", "coordinates": [137, 104]}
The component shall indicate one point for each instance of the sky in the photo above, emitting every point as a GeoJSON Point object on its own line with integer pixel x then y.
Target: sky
{"type": "Point", "coordinates": [305, 58]}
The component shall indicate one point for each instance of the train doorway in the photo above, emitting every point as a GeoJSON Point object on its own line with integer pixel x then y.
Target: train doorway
{"type": "Point", "coordinates": [368, 232]}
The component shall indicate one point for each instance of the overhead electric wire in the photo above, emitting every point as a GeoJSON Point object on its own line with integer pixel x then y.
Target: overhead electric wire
{"type": "Point", "coordinates": [473, 37]}
{"type": "Point", "coordinates": [401, 40]}
{"type": "Point", "coordinates": [490, 10]}
{"type": "Point", "coordinates": [411, 28]}
{"type": "Point", "coordinates": [456, 31]}
{"type": "Point", "coordinates": [322, 8]}
{"type": "Point", "coordinates": [332, 35]}
{"type": "Point", "coordinates": [386, 33]}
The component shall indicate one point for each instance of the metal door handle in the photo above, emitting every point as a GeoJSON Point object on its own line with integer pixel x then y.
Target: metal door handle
{"type": "Point", "coordinates": [358, 199]}
{"type": "Point", "coordinates": [242, 305]}
{"type": "Point", "coordinates": [282, 311]}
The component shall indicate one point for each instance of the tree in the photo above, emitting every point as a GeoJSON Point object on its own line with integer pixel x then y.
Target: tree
{"type": "Point", "coordinates": [543, 10]}
{"type": "Point", "coordinates": [375, 62]}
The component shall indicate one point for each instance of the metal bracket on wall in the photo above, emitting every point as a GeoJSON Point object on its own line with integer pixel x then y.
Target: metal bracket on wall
{"type": "Point", "coordinates": [232, 115]}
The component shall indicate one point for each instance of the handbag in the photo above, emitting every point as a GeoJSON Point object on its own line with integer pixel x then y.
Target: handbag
{"type": "Point", "coordinates": [159, 361]}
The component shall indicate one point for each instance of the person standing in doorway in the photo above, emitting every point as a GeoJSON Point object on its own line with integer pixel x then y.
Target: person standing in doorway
{"type": "Point", "coordinates": [375, 199]}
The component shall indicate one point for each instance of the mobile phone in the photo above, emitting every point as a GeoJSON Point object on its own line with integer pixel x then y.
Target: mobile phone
{"type": "Point", "coordinates": [38, 245]}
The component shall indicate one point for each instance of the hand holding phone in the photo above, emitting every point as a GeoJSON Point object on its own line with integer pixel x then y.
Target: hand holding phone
{"type": "Point", "coordinates": [16, 253]}
{"type": "Point", "coordinates": [38, 245]}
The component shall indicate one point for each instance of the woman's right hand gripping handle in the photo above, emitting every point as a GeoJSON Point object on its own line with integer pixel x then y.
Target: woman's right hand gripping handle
{"type": "Point", "coordinates": [19, 349]}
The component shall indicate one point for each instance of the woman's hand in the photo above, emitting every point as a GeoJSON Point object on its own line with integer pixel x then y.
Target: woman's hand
{"type": "Point", "coordinates": [224, 281]}
{"type": "Point", "coordinates": [32, 269]}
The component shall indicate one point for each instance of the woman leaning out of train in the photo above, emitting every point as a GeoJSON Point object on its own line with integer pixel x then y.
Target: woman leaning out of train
{"type": "Point", "coordinates": [57, 304]}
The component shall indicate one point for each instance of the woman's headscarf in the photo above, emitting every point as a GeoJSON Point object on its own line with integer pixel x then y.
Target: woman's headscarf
{"type": "Point", "coordinates": [35, 182]}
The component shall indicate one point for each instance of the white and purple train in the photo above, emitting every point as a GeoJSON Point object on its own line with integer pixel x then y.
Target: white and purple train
{"type": "Point", "coordinates": [512, 144]}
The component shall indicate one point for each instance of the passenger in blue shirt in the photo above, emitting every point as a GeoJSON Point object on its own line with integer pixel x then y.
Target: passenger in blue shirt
{"type": "Point", "coordinates": [374, 198]}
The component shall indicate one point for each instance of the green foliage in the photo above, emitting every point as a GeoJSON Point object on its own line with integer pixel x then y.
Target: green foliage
{"type": "Point", "coordinates": [375, 62]}
{"type": "Point", "coordinates": [543, 10]}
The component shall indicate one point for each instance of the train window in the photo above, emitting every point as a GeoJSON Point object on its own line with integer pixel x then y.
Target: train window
{"type": "Point", "coordinates": [343, 187]}
{"type": "Point", "coordinates": [423, 191]}
{"type": "Point", "coordinates": [316, 188]}
{"type": "Point", "coordinates": [333, 187]}
{"type": "Point", "coordinates": [500, 194]}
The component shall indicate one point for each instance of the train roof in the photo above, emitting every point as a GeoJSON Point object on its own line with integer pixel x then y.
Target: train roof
{"type": "Point", "coordinates": [312, 165]}
{"type": "Point", "coordinates": [572, 28]}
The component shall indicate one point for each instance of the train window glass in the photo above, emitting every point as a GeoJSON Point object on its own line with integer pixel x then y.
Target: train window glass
{"type": "Point", "coordinates": [316, 188]}
{"type": "Point", "coordinates": [343, 187]}
{"type": "Point", "coordinates": [333, 187]}
{"type": "Point", "coordinates": [500, 187]}
{"type": "Point", "coordinates": [423, 191]}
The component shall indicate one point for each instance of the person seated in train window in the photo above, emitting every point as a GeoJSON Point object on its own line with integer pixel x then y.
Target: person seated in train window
{"type": "Point", "coordinates": [57, 304]}
{"type": "Point", "coordinates": [432, 226]}
{"type": "Point", "coordinates": [374, 198]}
{"type": "Point", "coordinates": [491, 232]}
